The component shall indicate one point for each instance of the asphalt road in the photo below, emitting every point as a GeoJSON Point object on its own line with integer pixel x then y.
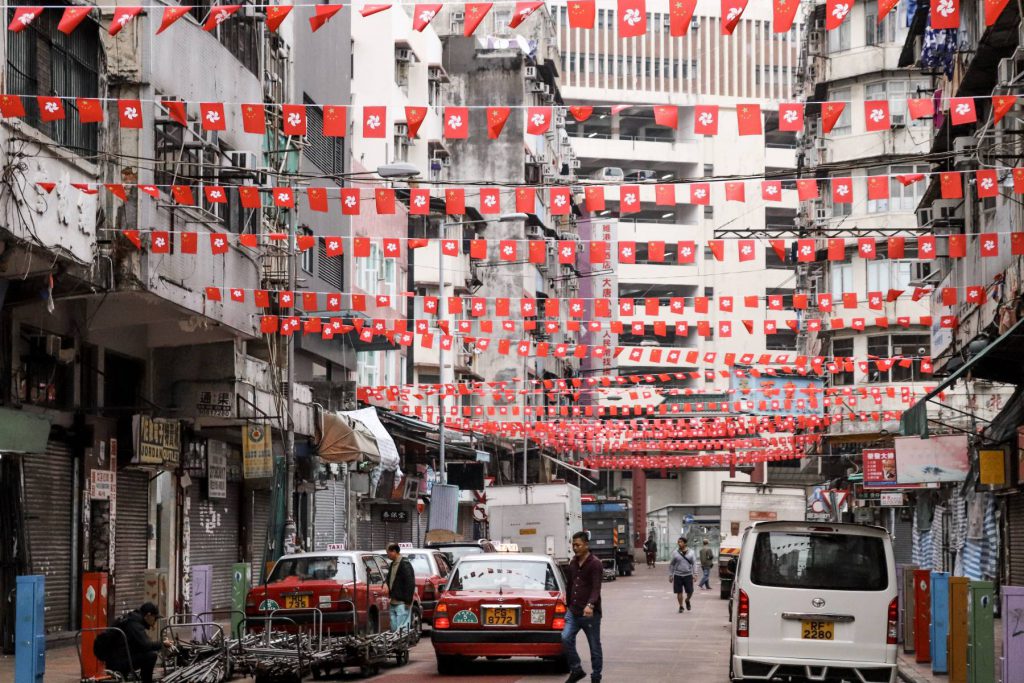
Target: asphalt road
{"type": "Point", "coordinates": [644, 637]}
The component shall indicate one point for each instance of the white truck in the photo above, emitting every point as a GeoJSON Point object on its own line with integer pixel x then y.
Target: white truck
{"type": "Point", "coordinates": [539, 518]}
{"type": "Point", "coordinates": [743, 504]}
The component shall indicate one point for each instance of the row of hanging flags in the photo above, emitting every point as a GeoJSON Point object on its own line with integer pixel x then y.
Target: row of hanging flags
{"type": "Point", "coordinates": [386, 201]}
{"type": "Point", "coordinates": [213, 116]}
{"type": "Point", "coordinates": [631, 14]}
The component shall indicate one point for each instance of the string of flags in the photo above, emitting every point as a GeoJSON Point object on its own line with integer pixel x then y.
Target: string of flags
{"type": "Point", "coordinates": [631, 15]}
{"type": "Point", "coordinates": [355, 201]}
{"type": "Point", "coordinates": [214, 116]}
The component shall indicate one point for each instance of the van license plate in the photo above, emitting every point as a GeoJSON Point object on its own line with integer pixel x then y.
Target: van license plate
{"type": "Point", "coordinates": [817, 630]}
{"type": "Point", "coordinates": [501, 616]}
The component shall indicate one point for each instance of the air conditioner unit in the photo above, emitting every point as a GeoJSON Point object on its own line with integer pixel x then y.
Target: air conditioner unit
{"type": "Point", "coordinates": [533, 232]}
{"type": "Point", "coordinates": [531, 72]}
{"type": "Point", "coordinates": [820, 213]}
{"type": "Point", "coordinates": [547, 171]}
{"type": "Point", "coordinates": [404, 54]}
{"type": "Point", "coordinates": [964, 148]}
{"type": "Point", "coordinates": [560, 120]}
{"type": "Point", "coordinates": [820, 143]}
{"type": "Point", "coordinates": [898, 120]}
{"type": "Point", "coordinates": [924, 216]}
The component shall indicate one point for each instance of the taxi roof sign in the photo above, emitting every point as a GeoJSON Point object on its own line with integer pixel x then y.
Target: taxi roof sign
{"type": "Point", "coordinates": [506, 547]}
{"type": "Point", "coordinates": [335, 546]}
{"type": "Point", "coordinates": [405, 545]}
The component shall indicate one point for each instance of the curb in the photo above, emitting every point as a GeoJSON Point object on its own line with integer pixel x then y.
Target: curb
{"type": "Point", "coordinates": [907, 674]}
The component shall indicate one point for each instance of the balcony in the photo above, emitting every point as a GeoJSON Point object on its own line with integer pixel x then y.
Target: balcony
{"type": "Point", "coordinates": [862, 60]}
{"type": "Point", "coordinates": [612, 150]}
{"type": "Point", "coordinates": [457, 269]}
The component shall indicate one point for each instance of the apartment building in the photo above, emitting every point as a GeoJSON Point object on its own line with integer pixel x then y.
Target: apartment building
{"type": "Point", "coordinates": [133, 388]}
{"type": "Point", "coordinates": [620, 142]}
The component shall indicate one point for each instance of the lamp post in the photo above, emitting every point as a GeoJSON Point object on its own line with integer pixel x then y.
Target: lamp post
{"type": "Point", "coordinates": [386, 171]}
{"type": "Point", "coordinates": [441, 313]}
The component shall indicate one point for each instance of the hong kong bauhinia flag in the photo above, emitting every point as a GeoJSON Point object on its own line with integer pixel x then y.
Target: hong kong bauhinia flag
{"type": "Point", "coordinates": [632, 18]}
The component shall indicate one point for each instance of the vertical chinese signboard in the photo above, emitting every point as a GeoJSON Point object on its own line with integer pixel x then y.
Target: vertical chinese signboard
{"type": "Point", "coordinates": [157, 441]}
{"type": "Point", "coordinates": [257, 454]}
{"type": "Point", "coordinates": [216, 469]}
{"type": "Point", "coordinates": [603, 284]}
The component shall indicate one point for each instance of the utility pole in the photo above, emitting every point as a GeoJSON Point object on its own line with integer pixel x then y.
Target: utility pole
{"type": "Point", "coordinates": [289, 445]}
{"type": "Point", "coordinates": [526, 397]}
{"type": "Point", "coordinates": [441, 313]}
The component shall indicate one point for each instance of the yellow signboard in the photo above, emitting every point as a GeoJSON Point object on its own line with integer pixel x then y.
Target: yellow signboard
{"type": "Point", "coordinates": [157, 441]}
{"type": "Point", "coordinates": [993, 468]}
{"type": "Point", "coordinates": [257, 452]}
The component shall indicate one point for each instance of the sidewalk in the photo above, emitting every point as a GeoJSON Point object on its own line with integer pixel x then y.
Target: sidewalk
{"type": "Point", "coordinates": [912, 672]}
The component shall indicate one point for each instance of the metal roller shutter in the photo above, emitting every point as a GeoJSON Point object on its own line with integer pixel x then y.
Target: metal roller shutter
{"type": "Point", "coordinates": [903, 541]}
{"type": "Point", "coordinates": [1015, 538]}
{"type": "Point", "coordinates": [330, 515]}
{"type": "Point", "coordinates": [214, 533]}
{"type": "Point", "coordinates": [130, 540]}
{"type": "Point", "coordinates": [48, 519]}
{"type": "Point", "coordinates": [258, 501]}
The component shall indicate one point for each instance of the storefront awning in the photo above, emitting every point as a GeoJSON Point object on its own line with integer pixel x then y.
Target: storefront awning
{"type": "Point", "coordinates": [22, 432]}
{"type": "Point", "coordinates": [344, 439]}
{"type": "Point", "coordinates": [997, 362]}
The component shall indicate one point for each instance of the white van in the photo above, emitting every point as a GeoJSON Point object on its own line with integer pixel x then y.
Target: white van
{"type": "Point", "coordinates": [814, 601]}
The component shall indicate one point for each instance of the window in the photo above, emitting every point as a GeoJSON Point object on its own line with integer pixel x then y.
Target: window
{"type": "Point", "coordinates": [842, 126]}
{"type": "Point", "coordinates": [307, 568]}
{"type": "Point", "coordinates": [502, 17]}
{"type": "Point", "coordinates": [332, 268]}
{"type": "Point", "coordinates": [374, 575]}
{"type": "Point", "coordinates": [906, 197]}
{"type": "Point", "coordinates": [326, 153]}
{"type": "Point", "coordinates": [842, 278]}
{"type": "Point", "coordinates": [819, 561]}
{"type": "Point", "coordinates": [897, 345]}
{"type": "Point", "coordinates": [839, 39]}
{"type": "Point", "coordinates": [43, 61]}
{"type": "Point", "coordinates": [885, 275]}
{"type": "Point", "coordinates": [891, 30]}
{"type": "Point", "coordinates": [880, 205]}
{"type": "Point", "coordinates": [456, 22]}
{"type": "Point", "coordinates": [493, 575]}
{"type": "Point", "coordinates": [842, 348]}
{"type": "Point", "coordinates": [306, 258]}
{"type": "Point", "coordinates": [369, 368]}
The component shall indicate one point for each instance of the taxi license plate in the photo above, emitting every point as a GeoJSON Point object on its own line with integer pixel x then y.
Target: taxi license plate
{"type": "Point", "coordinates": [501, 616]}
{"type": "Point", "coordinates": [817, 630]}
{"type": "Point", "coordinates": [296, 601]}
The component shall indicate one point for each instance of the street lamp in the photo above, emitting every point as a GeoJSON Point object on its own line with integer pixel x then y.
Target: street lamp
{"type": "Point", "coordinates": [441, 313]}
{"type": "Point", "coordinates": [397, 171]}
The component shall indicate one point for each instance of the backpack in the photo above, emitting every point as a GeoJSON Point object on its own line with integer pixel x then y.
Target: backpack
{"type": "Point", "coordinates": [104, 644]}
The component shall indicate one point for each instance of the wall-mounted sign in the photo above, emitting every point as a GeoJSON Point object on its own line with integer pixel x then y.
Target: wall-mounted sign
{"type": "Point", "coordinates": [394, 516]}
{"type": "Point", "coordinates": [216, 469]}
{"type": "Point", "coordinates": [992, 467]}
{"type": "Point", "coordinates": [102, 484]}
{"type": "Point", "coordinates": [215, 401]}
{"type": "Point", "coordinates": [257, 453]}
{"type": "Point", "coordinates": [891, 499]}
{"type": "Point", "coordinates": [157, 441]}
{"type": "Point", "coordinates": [879, 467]}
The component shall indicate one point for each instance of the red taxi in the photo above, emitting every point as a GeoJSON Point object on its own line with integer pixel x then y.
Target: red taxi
{"type": "Point", "coordinates": [333, 582]}
{"type": "Point", "coordinates": [500, 605]}
{"type": "Point", "coordinates": [432, 570]}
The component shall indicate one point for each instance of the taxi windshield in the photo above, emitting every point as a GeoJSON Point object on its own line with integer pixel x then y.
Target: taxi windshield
{"type": "Point", "coordinates": [505, 575]}
{"type": "Point", "coordinates": [311, 568]}
{"type": "Point", "coordinates": [420, 564]}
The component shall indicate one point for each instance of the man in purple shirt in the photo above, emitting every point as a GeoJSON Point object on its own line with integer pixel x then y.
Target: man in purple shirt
{"type": "Point", "coordinates": [584, 609]}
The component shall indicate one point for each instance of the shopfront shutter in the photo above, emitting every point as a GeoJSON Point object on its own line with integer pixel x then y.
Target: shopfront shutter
{"type": "Point", "coordinates": [48, 522]}
{"type": "Point", "coordinates": [903, 541]}
{"type": "Point", "coordinates": [1015, 538]}
{"type": "Point", "coordinates": [130, 540]}
{"type": "Point", "coordinates": [214, 531]}
{"type": "Point", "coordinates": [331, 515]}
{"type": "Point", "coordinates": [258, 501]}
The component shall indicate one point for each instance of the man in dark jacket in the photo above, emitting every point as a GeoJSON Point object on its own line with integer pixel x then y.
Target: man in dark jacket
{"type": "Point", "coordinates": [110, 646]}
{"type": "Point", "coordinates": [401, 587]}
{"type": "Point", "coordinates": [584, 610]}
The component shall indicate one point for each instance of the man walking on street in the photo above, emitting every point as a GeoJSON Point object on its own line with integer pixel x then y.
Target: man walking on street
{"type": "Point", "coordinates": [680, 572]}
{"type": "Point", "coordinates": [584, 612]}
{"type": "Point", "coordinates": [707, 561]}
{"type": "Point", "coordinates": [401, 587]}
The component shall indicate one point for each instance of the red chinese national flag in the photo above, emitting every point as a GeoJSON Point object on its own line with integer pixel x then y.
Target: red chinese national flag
{"type": "Point", "coordinates": [384, 199]}
{"type": "Point", "coordinates": [665, 194]}
{"type": "Point", "coordinates": [90, 110]}
{"type": "Point", "coordinates": [335, 120]}
{"type": "Point", "coordinates": [878, 187]}
{"type": "Point", "coordinates": [783, 14]}
{"type": "Point", "coordinates": [957, 246]}
{"type": "Point", "coordinates": [594, 198]}
{"type": "Point", "coordinates": [414, 117]}
{"type": "Point", "coordinates": [253, 119]}
{"type": "Point", "coordinates": [666, 116]}
{"type": "Point", "coordinates": [72, 17]}
{"type": "Point", "coordinates": [830, 113]}
{"type": "Point", "coordinates": [807, 189]}
{"type": "Point", "coordinates": [599, 252]}
{"type": "Point", "coordinates": [276, 14]}
{"type": "Point", "coordinates": [1018, 180]}
{"type": "Point", "coordinates": [375, 121]}
{"type": "Point", "coordinates": [945, 14]}
{"type": "Point", "coordinates": [921, 108]}
{"type": "Point", "coordinates": [11, 107]}
{"type": "Point", "coordinates": [993, 8]}
{"type": "Point", "coordinates": [474, 13]}
{"type": "Point", "coordinates": [632, 18]}
{"type": "Point", "coordinates": [950, 186]}
{"type": "Point", "coordinates": [836, 249]}
{"type": "Point", "coordinates": [455, 201]}
{"type": "Point", "coordinates": [526, 200]}
{"type": "Point", "coordinates": [183, 195]}
{"type": "Point", "coordinates": [1017, 243]}
{"type": "Point", "coordinates": [735, 191]}
{"type": "Point", "coordinates": [897, 247]}
{"type": "Point", "coordinates": [732, 11]}
{"type": "Point", "coordinates": [1001, 104]}
{"type": "Point", "coordinates": [680, 13]}
{"type": "Point", "coordinates": [748, 119]}
{"type": "Point", "coordinates": [876, 115]}
{"type": "Point", "coordinates": [496, 118]}
{"type": "Point", "coordinates": [582, 13]}
{"type": "Point", "coordinates": [322, 16]}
